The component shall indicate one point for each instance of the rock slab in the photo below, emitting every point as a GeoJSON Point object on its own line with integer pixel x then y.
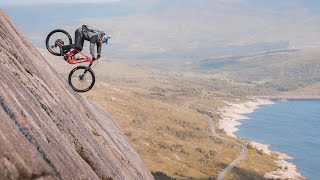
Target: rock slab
{"type": "Point", "coordinates": [47, 130]}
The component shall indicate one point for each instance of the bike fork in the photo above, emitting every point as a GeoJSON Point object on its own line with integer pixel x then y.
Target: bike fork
{"type": "Point", "coordinates": [87, 69]}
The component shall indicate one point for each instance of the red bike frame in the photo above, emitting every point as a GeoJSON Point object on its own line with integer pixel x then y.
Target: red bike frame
{"type": "Point", "coordinates": [81, 60]}
{"type": "Point", "coordinates": [75, 61]}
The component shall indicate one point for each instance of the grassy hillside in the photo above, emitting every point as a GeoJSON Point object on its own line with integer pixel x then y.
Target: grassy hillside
{"type": "Point", "coordinates": [171, 134]}
{"type": "Point", "coordinates": [162, 116]}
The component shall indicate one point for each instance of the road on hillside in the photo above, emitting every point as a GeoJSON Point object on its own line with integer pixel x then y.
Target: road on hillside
{"type": "Point", "coordinates": [239, 158]}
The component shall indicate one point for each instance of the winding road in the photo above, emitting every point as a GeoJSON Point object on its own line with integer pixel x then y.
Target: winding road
{"type": "Point", "coordinates": [239, 158]}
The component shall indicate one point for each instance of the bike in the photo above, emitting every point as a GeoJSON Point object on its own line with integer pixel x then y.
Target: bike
{"type": "Point", "coordinates": [81, 78]}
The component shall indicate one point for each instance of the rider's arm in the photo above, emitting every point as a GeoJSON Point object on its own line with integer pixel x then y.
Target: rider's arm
{"type": "Point", "coordinates": [93, 42]}
{"type": "Point", "coordinates": [99, 49]}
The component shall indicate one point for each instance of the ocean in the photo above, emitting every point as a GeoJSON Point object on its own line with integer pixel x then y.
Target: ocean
{"type": "Point", "coordinates": [291, 127]}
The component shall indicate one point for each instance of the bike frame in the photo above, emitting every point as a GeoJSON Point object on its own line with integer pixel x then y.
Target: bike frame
{"type": "Point", "coordinates": [75, 61]}
{"type": "Point", "coordinates": [81, 60]}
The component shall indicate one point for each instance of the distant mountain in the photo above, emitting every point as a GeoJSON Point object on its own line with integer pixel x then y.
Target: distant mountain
{"type": "Point", "coordinates": [280, 70]}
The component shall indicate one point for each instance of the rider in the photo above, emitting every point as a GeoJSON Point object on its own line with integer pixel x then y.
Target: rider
{"type": "Point", "coordinates": [96, 38]}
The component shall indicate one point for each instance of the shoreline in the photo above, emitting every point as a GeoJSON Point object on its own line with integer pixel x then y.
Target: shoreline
{"type": "Point", "coordinates": [230, 116]}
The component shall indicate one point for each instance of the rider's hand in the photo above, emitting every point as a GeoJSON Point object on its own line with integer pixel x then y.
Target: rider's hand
{"type": "Point", "coordinates": [94, 58]}
{"type": "Point", "coordinates": [98, 57]}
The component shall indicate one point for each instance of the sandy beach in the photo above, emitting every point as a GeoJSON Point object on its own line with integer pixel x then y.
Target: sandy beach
{"type": "Point", "coordinates": [233, 112]}
{"type": "Point", "coordinates": [230, 116]}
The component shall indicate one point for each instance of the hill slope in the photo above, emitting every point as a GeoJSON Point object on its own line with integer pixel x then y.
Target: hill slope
{"type": "Point", "coordinates": [47, 130]}
{"type": "Point", "coordinates": [278, 72]}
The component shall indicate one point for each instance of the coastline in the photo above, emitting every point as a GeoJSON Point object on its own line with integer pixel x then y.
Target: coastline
{"type": "Point", "coordinates": [232, 113]}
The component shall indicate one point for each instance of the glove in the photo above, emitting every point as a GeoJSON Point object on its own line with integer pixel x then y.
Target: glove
{"type": "Point", "coordinates": [94, 58]}
{"type": "Point", "coordinates": [98, 57]}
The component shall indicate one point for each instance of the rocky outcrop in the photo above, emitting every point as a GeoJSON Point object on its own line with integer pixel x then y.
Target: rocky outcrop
{"type": "Point", "coordinates": [47, 130]}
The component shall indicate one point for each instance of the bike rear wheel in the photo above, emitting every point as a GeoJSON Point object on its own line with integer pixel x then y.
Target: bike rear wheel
{"type": "Point", "coordinates": [56, 39]}
{"type": "Point", "coordinates": [81, 81]}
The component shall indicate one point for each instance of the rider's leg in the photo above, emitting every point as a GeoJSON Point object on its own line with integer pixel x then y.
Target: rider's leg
{"type": "Point", "coordinates": [78, 45]}
{"type": "Point", "coordinates": [79, 40]}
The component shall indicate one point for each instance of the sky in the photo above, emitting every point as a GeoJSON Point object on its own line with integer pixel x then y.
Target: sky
{"type": "Point", "coordinates": [313, 5]}
{"type": "Point", "coordinates": [35, 2]}
{"type": "Point", "coordinates": [176, 28]}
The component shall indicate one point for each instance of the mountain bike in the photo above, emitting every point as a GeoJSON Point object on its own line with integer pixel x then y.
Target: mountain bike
{"type": "Point", "coordinates": [81, 78]}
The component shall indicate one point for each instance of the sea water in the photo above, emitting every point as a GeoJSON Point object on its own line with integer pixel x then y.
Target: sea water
{"type": "Point", "coordinates": [291, 127]}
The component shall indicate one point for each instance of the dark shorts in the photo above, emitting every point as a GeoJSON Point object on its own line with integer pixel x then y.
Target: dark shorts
{"type": "Point", "coordinates": [78, 42]}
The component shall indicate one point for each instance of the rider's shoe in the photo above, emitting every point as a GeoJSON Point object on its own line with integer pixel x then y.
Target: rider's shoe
{"type": "Point", "coordinates": [65, 49]}
{"type": "Point", "coordinates": [65, 57]}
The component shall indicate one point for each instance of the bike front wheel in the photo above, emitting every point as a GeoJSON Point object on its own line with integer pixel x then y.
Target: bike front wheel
{"type": "Point", "coordinates": [81, 80]}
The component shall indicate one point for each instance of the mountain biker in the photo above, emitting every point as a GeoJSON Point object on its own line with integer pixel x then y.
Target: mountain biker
{"type": "Point", "coordinates": [96, 38]}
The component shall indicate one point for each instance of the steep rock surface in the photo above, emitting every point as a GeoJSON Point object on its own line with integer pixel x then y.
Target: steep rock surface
{"type": "Point", "coordinates": [47, 130]}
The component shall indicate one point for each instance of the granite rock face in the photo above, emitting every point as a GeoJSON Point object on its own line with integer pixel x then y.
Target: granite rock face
{"type": "Point", "coordinates": [47, 130]}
